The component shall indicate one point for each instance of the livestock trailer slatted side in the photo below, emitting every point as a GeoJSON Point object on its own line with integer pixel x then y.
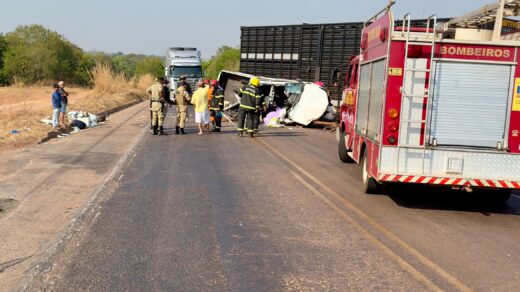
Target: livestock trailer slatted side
{"type": "Point", "coordinates": [308, 51]}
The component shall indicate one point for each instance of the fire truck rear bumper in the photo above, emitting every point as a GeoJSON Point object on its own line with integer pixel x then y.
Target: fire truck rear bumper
{"type": "Point", "coordinates": [450, 167]}
{"type": "Point", "coordinates": [447, 181]}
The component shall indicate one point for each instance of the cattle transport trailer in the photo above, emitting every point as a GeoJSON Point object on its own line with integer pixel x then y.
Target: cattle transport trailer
{"type": "Point", "coordinates": [434, 105]}
{"type": "Point", "coordinates": [308, 52]}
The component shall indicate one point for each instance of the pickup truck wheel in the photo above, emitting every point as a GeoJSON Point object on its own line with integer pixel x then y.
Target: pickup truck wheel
{"type": "Point", "coordinates": [370, 185]}
{"type": "Point", "coordinates": [342, 150]}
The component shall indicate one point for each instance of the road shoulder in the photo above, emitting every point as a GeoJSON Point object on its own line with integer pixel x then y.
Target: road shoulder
{"type": "Point", "coordinates": [53, 184]}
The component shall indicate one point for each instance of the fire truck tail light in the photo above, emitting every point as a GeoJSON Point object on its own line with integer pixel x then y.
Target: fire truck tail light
{"type": "Point", "coordinates": [392, 127]}
{"type": "Point", "coordinates": [391, 139]}
{"type": "Point", "coordinates": [393, 113]}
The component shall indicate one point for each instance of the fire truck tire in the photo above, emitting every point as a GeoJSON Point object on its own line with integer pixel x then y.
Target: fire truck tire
{"type": "Point", "coordinates": [370, 185]}
{"type": "Point", "coordinates": [342, 150]}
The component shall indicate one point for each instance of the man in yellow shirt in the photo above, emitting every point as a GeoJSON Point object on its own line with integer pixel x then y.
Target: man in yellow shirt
{"type": "Point", "coordinates": [200, 102]}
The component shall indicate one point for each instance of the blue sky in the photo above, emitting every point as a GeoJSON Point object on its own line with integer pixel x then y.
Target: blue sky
{"type": "Point", "coordinates": [150, 27]}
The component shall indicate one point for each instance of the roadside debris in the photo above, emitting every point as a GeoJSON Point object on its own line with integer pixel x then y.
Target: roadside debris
{"type": "Point", "coordinates": [77, 119]}
{"type": "Point", "coordinates": [288, 101]}
{"type": "Point", "coordinates": [14, 132]}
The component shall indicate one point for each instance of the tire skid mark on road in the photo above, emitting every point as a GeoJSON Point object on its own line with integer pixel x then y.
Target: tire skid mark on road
{"type": "Point", "coordinates": [364, 216]}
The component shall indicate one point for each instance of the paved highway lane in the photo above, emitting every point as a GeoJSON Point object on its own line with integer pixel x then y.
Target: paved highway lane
{"type": "Point", "coordinates": [279, 212]}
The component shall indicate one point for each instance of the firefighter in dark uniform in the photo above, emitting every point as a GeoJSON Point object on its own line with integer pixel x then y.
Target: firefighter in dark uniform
{"type": "Point", "coordinates": [183, 81]}
{"type": "Point", "coordinates": [216, 105]}
{"type": "Point", "coordinates": [165, 94]}
{"type": "Point", "coordinates": [258, 114]}
{"type": "Point", "coordinates": [249, 105]}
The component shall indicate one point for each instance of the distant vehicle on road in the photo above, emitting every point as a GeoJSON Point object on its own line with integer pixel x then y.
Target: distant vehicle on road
{"type": "Point", "coordinates": [183, 62]}
{"type": "Point", "coordinates": [436, 105]}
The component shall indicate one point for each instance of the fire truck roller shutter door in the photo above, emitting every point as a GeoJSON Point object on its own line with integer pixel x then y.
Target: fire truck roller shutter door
{"type": "Point", "coordinates": [376, 98]}
{"type": "Point", "coordinates": [363, 97]}
{"type": "Point", "coordinates": [470, 104]}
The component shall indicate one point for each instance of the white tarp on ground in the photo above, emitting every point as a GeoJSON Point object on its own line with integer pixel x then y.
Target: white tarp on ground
{"type": "Point", "coordinates": [311, 106]}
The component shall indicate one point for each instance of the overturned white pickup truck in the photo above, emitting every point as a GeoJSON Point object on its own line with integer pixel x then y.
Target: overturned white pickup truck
{"type": "Point", "coordinates": [288, 101]}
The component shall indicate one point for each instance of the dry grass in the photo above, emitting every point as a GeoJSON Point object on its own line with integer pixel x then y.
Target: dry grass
{"type": "Point", "coordinates": [106, 81]}
{"type": "Point", "coordinates": [145, 81]}
{"type": "Point", "coordinates": [22, 108]}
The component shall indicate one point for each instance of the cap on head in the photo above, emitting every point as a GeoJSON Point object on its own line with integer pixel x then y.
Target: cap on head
{"type": "Point", "coordinates": [214, 83]}
{"type": "Point", "coordinates": [254, 81]}
{"type": "Point", "coordinates": [61, 83]}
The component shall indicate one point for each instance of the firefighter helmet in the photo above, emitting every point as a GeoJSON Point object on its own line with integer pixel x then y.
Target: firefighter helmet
{"type": "Point", "coordinates": [255, 81]}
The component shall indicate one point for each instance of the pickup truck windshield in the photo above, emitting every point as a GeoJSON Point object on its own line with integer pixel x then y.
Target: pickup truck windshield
{"type": "Point", "coordinates": [190, 72]}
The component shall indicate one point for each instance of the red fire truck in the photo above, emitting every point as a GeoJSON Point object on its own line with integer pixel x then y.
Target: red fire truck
{"type": "Point", "coordinates": [437, 104]}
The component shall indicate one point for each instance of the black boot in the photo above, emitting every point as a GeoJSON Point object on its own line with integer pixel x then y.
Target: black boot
{"type": "Point", "coordinates": [240, 134]}
{"type": "Point", "coordinates": [154, 130]}
{"type": "Point", "coordinates": [182, 131]}
{"type": "Point", "coordinates": [161, 131]}
{"type": "Point", "coordinates": [250, 134]}
{"type": "Point", "coordinates": [177, 130]}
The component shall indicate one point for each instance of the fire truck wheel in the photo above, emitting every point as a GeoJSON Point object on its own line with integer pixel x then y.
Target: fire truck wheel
{"type": "Point", "coordinates": [342, 150]}
{"type": "Point", "coordinates": [370, 185]}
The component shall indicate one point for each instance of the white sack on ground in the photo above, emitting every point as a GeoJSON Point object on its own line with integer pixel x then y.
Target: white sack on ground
{"type": "Point", "coordinates": [313, 103]}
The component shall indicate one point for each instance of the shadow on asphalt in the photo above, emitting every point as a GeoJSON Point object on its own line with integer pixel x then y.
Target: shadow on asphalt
{"type": "Point", "coordinates": [422, 197]}
{"type": "Point", "coordinates": [194, 131]}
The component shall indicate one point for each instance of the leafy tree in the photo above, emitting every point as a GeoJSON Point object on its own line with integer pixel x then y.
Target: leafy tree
{"type": "Point", "coordinates": [35, 53]}
{"type": "Point", "coordinates": [3, 45]}
{"type": "Point", "coordinates": [226, 58]}
{"type": "Point", "coordinates": [150, 65]}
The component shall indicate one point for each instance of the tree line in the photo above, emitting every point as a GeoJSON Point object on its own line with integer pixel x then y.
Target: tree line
{"type": "Point", "coordinates": [32, 54]}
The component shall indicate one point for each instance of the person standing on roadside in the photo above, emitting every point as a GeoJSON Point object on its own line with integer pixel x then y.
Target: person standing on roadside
{"type": "Point", "coordinates": [216, 105]}
{"type": "Point", "coordinates": [156, 106]}
{"type": "Point", "coordinates": [64, 101]}
{"type": "Point", "coordinates": [56, 106]}
{"type": "Point", "coordinates": [249, 106]}
{"type": "Point", "coordinates": [183, 81]}
{"type": "Point", "coordinates": [165, 94]}
{"type": "Point", "coordinates": [182, 98]}
{"type": "Point", "coordinates": [200, 101]}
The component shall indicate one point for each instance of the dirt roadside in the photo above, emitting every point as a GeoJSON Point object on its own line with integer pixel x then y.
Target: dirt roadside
{"type": "Point", "coordinates": [47, 187]}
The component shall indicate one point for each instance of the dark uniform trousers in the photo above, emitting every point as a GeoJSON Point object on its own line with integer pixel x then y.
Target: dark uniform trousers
{"type": "Point", "coordinates": [243, 115]}
{"type": "Point", "coordinates": [256, 120]}
{"type": "Point", "coordinates": [217, 119]}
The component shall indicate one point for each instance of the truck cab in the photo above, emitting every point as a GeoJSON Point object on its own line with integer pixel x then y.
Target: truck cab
{"type": "Point", "coordinates": [181, 62]}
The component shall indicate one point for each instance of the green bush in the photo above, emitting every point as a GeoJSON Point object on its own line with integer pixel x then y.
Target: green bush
{"type": "Point", "coordinates": [3, 44]}
{"type": "Point", "coordinates": [226, 58]}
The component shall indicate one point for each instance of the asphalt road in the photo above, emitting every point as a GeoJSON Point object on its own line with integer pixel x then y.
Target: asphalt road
{"type": "Point", "coordinates": [275, 213]}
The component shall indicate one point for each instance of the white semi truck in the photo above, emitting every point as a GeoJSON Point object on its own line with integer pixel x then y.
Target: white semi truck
{"type": "Point", "coordinates": [183, 62]}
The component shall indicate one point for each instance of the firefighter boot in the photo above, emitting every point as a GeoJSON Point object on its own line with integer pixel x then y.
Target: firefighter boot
{"type": "Point", "coordinates": [177, 130]}
{"type": "Point", "coordinates": [251, 135]}
{"type": "Point", "coordinates": [182, 131]}
{"type": "Point", "coordinates": [154, 130]}
{"type": "Point", "coordinates": [161, 131]}
{"type": "Point", "coordinates": [240, 134]}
